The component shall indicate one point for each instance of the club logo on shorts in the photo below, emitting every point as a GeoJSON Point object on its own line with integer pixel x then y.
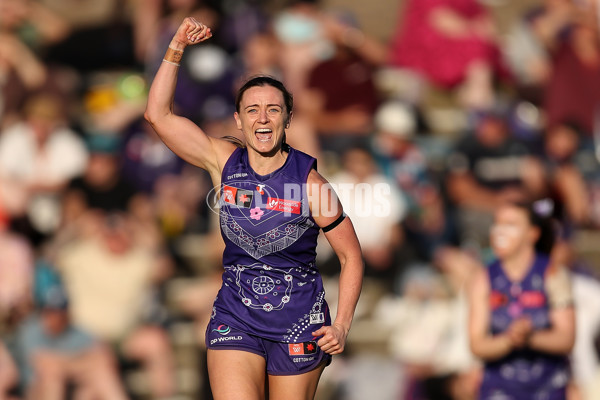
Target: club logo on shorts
{"type": "Point", "coordinates": [301, 349]}
{"type": "Point", "coordinates": [222, 329]}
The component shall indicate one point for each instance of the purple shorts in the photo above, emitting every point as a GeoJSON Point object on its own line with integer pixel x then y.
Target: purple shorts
{"type": "Point", "coordinates": [281, 358]}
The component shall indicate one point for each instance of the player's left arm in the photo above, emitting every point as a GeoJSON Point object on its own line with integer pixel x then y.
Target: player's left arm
{"type": "Point", "coordinates": [560, 337]}
{"type": "Point", "coordinates": [328, 214]}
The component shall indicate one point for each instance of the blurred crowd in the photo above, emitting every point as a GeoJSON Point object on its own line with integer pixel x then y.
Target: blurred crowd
{"type": "Point", "coordinates": [110, 250]}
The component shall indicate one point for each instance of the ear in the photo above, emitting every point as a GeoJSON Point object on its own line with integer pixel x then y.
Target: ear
{"type": "Point", "coordinates": [289, 120]}
{"type": "Point", "coordinates": [535, 234]}
{"type": "Point", "coordinates": [238, 121]}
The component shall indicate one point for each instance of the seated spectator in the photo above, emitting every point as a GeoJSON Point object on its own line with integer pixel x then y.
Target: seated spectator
{"type": "Point", "coordinates": [16, 275]}
{"type": "Point", "coordinates": [487, 169]}
{"type": "Point", "coordinates": [569, 190]}
{"type": "Point", "coordinates": [56, 353]}
{"type": "Point", "coordinates": [145, 158]}
{"type": "Point", "coordinates": [38, 157]}
{"type": "Point", "coordinates": [569, 30]}
{"type": "Point", "coordinates": [452, 43]}
{"type": "Point", "coordinates": [27, 27]}
{"type": "Point", "coordinates": [101, 187]}
{"type": "Point", "coordinates": [110, 270]}
{"type": "Point", "coordinates": [376, 208]}
{"type": "Point", "coordinates": [401, 156]}
{"type": "Point", "coordinates": [340, 96]}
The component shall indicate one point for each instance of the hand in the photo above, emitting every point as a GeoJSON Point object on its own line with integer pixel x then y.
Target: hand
{"type": "Point", "coordinates": [191, 32]}
{"type": "Point", "coordinates": [333, 338]}
{"type": "Point", "coordinates": [519, 332]}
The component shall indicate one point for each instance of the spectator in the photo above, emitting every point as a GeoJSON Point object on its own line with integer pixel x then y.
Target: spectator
{"type": "Point", "coordinates": [340, 96]}
{"type": "Point", "coordinates": [117, 257]}
{"type": "Point", "coordinates": [16, 275]}
{"type": "Point", "coordinates": [38, 157]}
{"type": "Point", "coordinates": [376, 208]}
{"type": "Point", "coordinates": [486, 170]}
{"type": "Point", "coordinates": [561, 143]}
{"type": "Point", "coordinates": [146, 159]}
{"type": "Point", "coordinates": [54, 352]}
{"type": "Point", "coordinates": [101, 187]}
{"type": "Point", "coordinates": [453, 43]}
{"type": "Point", "coordinates": [570, 31]}
{"type": "Point", "coordinates": [403, 160]}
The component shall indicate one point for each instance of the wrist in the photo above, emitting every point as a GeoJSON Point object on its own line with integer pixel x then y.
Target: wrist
{"type": "Point", "coordinates": [173, 56]}
{"type": "Point", "coordinates": [177, 45]}
{"type": "Point", "coordinates": [344, 326]}
{"type": "Point", "coordinates": [507, 343]}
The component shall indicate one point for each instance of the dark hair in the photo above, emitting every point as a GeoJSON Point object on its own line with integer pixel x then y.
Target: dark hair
{"type": "Point", "coordinates": [265, 80]}
{"type": "Point", "coordinates": [540, 214]}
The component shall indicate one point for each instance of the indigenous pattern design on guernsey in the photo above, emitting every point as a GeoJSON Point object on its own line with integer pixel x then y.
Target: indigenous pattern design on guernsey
{"type": "Point", "coordinates": [267, 243]}
{"type": "Point", "coordinates": [271, 286]}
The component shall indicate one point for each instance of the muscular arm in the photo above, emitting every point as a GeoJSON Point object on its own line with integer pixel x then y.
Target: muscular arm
{"type": "Point", "coordinates": [180, 134]}
{"type": "Point", "coordinates": [326, 209]}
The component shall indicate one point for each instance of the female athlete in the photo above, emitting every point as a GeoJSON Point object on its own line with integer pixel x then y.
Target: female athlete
{"type": "Point", "coordinates": [522, 322]}
{"type": "Point", "coordinates": [270, 330]}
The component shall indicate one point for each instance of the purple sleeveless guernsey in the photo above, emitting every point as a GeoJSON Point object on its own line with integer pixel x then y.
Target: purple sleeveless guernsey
{"type": "Point", "coordinates": [523, 374]}
{"type": "Point", "coordinates": [271, 287]}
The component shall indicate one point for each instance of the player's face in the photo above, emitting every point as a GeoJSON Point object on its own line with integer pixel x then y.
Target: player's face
{"type": "Point", "coordinates": [511, 231]}
{"type": "Point", "coordinates": [262, 118]}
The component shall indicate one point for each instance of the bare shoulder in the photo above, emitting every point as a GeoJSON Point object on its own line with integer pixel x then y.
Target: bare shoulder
{"type": "Point", "coordinates": [223, 149]}
{"type": "Point", "coordinates": [315, 178]}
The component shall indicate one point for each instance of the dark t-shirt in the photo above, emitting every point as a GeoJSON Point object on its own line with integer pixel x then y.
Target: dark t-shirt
{"type": "Point", "coordinates": [345, 82]}
{"type": "Point", "coordinates": [492, 167]}
{"type": "Point", "coordinates": [573, 92]}
{"type": "Point", "coordinates": [115, 198]}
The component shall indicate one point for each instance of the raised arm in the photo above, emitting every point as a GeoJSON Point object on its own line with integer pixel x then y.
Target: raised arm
{"type": "Point", "coordinates": [327, 213]}
{"type": "Point", "coordinates": [180, 134]}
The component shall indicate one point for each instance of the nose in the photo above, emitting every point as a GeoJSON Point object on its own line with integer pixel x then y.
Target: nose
{"type": "Point", "coordinates": [262, 116]}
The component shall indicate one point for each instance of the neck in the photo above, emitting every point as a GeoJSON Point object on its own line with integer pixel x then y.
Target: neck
{"type": "Point", "coordinates": [517, 265]}
{"type": "Point", "coordinates": [264, 164]}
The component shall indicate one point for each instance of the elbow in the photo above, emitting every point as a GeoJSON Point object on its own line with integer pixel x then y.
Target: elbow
{"type": "Point", "coordinates": [149, 116]}
{"type": "Point", "coordinates": [569, 344]}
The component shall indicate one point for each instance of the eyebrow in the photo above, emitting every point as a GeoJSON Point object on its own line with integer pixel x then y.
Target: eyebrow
{"type": "Point", "coordinates": [268, 105]}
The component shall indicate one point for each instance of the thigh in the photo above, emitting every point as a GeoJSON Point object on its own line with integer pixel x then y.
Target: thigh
{"type": "Point", "coordinates": [236, 375]}
{"type": "Point", "coordinates": [295, 387]}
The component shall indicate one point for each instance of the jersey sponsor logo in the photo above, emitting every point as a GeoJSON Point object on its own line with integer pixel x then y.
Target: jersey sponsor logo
{"type": "Point", "coordinates": [302, 349]}
{"type": "Point", "coordinates": [531, 299]}
{"type": "Point", "coordinates": [226, 339]}
{"type": "Point", "coordinates": [238, 197]}
{"type": "Point", "coordinates": [237, 175]}
{"type": "Point", "coordinates": [498, 300]}
{"type": "Point", "coordinates": [222, 329]}
{"type": "Point", "coordinates": [289, 206]}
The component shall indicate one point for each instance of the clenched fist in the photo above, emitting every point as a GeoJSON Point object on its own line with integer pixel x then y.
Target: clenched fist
{"type": "Point", "coordinates": [191, 31]}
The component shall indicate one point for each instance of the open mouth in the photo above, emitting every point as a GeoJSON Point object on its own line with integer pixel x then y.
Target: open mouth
{"type": "Point", "coordinates": [263, 134]}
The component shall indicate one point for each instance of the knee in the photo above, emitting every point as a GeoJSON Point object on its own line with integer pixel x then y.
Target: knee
{"type": "Point", "coordinates": [47, 367]}
{"type": "Point", "coordinates": [148, 341]}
